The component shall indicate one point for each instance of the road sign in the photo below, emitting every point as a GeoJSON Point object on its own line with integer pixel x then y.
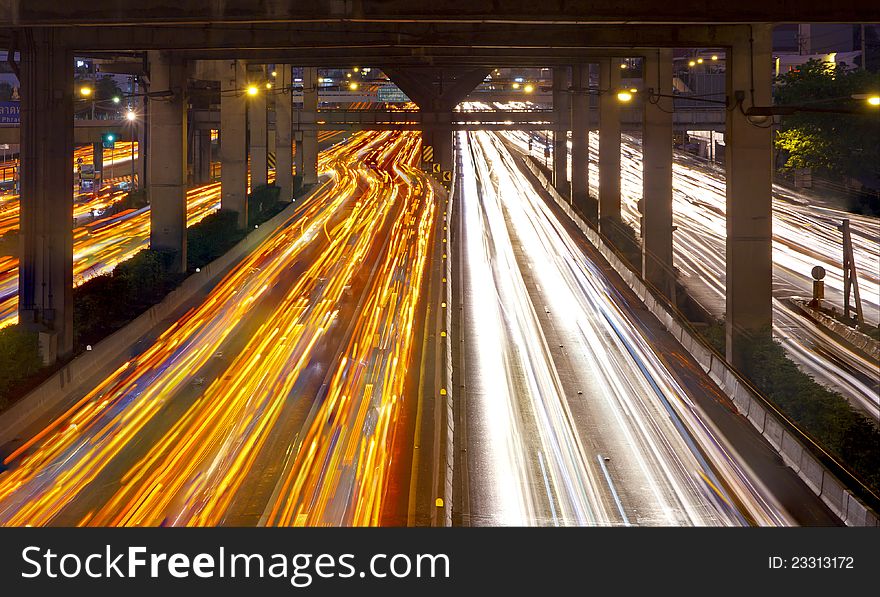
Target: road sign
{"type": "Point", "coordinates": [447, 176]}
{"type": "Point", "coordinates": [435, 168]}
{"type": "Point", "coordinates": [87, 171]}
{"type": "Point", "coordinates": [428, 153]}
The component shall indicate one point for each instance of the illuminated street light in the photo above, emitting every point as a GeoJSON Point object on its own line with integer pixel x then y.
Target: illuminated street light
{"type": "Point", "coordinates": [348, 75]}
{"type": "Point", "coordinates": [874, 100]}
{"type": "Point", "coordinates": [714, 57]}
{"type": "Point", "coordinates": [699, 61]}
{"type": "Point", "coordinates": [130, 115]}
{"type": "Point", "coordinates": [529, 88]}
{"type": "Point", "coordinates": [356, 69]}
{"type": "Point", "coordinates": [692, 63]}
{"type": "Point", "coordinates": [116, 99]}
{"type": "Point", "coordinates": [268, 85]}
{"type": "Point", "coordinates": [274, 73]}
{"type": "Point", "coordinates": [85, 91]}
{"type": "Point", "coordinates": [623, 65]}
{"type": "Point", "coordinates": [633, 90]}
{"type": "Point", "coordinates": [252, 90]}
{"type": "Point", "coordinates": [353, 86]}
{"type": "Point", "coordinates": [515, 85]}
{"type": "Point", "coordinates": [624, 96]}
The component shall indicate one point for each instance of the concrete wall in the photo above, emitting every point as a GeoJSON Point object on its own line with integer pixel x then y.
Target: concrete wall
{"type": "Point", "coordinates": [763, 416]}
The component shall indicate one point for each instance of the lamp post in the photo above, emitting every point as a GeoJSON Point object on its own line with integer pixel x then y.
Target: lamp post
{"type": "Point", "coordinates": [131, 117]}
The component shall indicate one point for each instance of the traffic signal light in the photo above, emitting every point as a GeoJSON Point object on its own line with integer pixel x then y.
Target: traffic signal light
{"type": "Point", "coordinates": [109, 140]}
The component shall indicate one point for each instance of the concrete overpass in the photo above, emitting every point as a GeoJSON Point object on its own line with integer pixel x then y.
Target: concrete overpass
{"type": "Point", "coordinates": [436, 54]}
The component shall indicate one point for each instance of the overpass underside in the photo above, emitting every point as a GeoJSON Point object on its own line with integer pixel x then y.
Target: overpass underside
{"type": "Point", "coordinates": [437, 54]}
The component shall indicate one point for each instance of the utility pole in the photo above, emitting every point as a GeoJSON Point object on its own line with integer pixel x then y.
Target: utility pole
{"type": "Point", "coordinates": [850, 277]}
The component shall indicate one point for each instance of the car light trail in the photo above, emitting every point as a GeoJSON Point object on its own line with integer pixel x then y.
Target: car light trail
{"type": "Point", "coordinates": [677, 469]}
{"type": "Point", "coordinates": [191, 472]}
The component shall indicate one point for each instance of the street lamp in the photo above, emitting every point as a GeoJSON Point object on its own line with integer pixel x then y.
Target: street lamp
{"type": "Point", "coordinates": [874, 100]}
{"type": "Point", "coordinates": [131, 117]}
{"type": "Point", "coordinates": [624, 96]}
{"type": "Point", "coordinates": [529, 88]}
{"type": "Point", "coordinates": [85, 91]}
{"type": "Point", "coordinates": [252, 90]}
{"type": "Point", "coordinates": [353, 86]}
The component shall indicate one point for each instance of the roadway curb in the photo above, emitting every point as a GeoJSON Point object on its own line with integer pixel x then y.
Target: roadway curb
{"type": "Point", "coordinates": [767, 420]}
{"type": "Point", "coordinates": [64, 383]}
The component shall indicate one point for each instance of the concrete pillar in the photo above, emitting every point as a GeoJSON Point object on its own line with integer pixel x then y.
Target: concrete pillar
{"type": "Point", "coordinates": [203, 157]}
{"type": "Point", "coordinates": [562, 110]}
{"type": "Point", "coordinates": [657, 174]}
{"type": "Point", "coordinates": [309, 143]}
{"type": "Point", "coordinates": [283, 150]}
{"type": "Point", "coordinates": [45, 275]}
{"type": "Point", "coordinates": [98, 157]}
{"type": "Point", "coordinates": [257, 129]}
{"type": "Point", "coordinates": [168, 168]}
{"type": "Point", "coordinates": [609, 140]}
{"type": "Point", "coordinates": [233, 138]}
{"type": "Point", "coordinates": [580, 131]}
{"type": "Point", "coordinates": [748, 161]}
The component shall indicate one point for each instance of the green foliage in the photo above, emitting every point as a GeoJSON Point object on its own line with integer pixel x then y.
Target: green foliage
{"type": "Point", "coordinates": [804, 148]}
{"type": "Point", "coordinates": [19, 358]}
{"type": "Point", "coordinates": [211, 238]}
{"type": "Point", "coordinates": [263, 204]}
{"type": "Point", "coordinates": [5, 91]}
{"type": "Point", "coordinates": [824, 415]}
{"type": "Point", "coordinates": [841, 144]}
{"type": "Point", "coordinates": [624, 239]}
{"type": "Point", "coordinates": [107, 88]}
{"type": "Point", "coordinates": [106, 303]}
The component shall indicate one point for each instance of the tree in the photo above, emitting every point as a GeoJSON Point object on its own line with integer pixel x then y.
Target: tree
{"type": "Point", "coordinates": [841, 145]}
{"type": "Point", "coordinates": [107, 88]}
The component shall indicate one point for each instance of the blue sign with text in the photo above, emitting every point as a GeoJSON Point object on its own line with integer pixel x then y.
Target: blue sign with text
{"type": "Point", "coordinates": [10, 112]}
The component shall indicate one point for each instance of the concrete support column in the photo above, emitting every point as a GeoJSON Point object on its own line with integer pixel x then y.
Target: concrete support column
{"type": "Point", "coordinates": [203, 161]}
{"type": "Point", "coordinates": [98, 157]}
{"type": "Point", "coordinates": [562, 110]}
{"type": "Point", "coordinates": [580, 132]}
{"type": "Point", "coordinates": [45, 275]}
{"type": "Point", "coordinates": [609, 140]}
{"type": "Point", "coordinates": [283, 149]}
{"type": "Point", "coordinates": [748, 161]}
{"type": "Point", "coordinates": [257, 130]}
{"type": "Point", "coordinates": [657, 174]}
{"type": "Point", "coordinates": [168, 168]}
{"type": "Point", "coordinates": [233, 138]}
{"type": "Point", "coordinates": [309, 144]}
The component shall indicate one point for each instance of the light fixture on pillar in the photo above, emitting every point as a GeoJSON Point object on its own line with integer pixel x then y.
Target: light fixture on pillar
{"type": "Point", "coordinates": [624, 96]}
{"type": "Point", "coordinates": [85, 91]}
{"type": "Point", "coordinates": [252, 90]}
